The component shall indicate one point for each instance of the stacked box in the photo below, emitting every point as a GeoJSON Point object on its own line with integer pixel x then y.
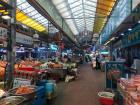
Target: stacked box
{"type": "Point", "coordinates": [40, 98]}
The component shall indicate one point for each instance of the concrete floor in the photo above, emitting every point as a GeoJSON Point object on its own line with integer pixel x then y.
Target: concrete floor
{"type": "Point", "coordinates": [82, 91]}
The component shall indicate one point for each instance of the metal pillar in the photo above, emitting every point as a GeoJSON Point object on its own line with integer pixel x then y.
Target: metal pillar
{"type": "Point", "coordinates": [9, 74]}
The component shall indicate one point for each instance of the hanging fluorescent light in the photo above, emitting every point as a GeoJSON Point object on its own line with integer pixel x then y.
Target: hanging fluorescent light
{"type": "Point", "coordinates": [139, 21]}
{"type": "Point", "coordinates": [6, 17]}
{"type": "Point", "coordinates": [122, 34]}
{"type": "Point", "coordinates": [129, 29]}
{"type": "Point", "coordinates": [112, 39]}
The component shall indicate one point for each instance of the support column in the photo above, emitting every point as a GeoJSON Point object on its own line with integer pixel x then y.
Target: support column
{"type": "Point", "coordinates": [111, 51]}
{"type": "Point", "coordinates": [9, 75]}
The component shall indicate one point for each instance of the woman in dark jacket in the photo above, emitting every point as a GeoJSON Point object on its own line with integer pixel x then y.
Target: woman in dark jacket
{"type": "Point", "coordinates": [97, 63]}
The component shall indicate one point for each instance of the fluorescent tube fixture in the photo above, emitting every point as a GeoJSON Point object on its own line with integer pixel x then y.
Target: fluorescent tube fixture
{"type": "Point", "coordinates": [112, 38]}
{"type": "Point", "coordinates": [129, 29]}
{"type": "Point", "coordinates": [6, 17]}
{"type": "Point", "coordinates": [122, 34]}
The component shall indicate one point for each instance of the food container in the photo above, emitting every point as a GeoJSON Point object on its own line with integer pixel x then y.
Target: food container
{"type": "Point", "coordinates": [28, 96]}
{"type": "Point", "coordinates": [106, 98]}
{"type": "Point", "coordinates": [12, 100]}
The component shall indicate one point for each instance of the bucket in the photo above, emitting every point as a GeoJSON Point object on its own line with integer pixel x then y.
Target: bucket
{"type": "Point", "coordinates": [106, 98]}
{"type": "Point", "coordinates": [49, 87]}
{"type": "Point", "coordinates": [51, 81]}
{"type": "Point", "coordinates": [48, 84]}
{"type": "Point", "coordinates": [50, 90]}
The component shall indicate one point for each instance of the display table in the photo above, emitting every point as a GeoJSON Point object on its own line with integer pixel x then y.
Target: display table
{"type": "Point", "coordinates": [130, 90]}
{"type": "Point", "coordinates": [60, 71]}
{"type": "Point", "coordinates": [129, 97]}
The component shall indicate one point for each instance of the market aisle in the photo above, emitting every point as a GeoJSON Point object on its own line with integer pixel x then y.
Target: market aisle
{"type": "Point", "coordinates": [82, 91]}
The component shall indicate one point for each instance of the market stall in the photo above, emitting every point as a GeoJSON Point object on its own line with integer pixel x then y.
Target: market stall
{"type": "Point", "coordinates": [129, 89]}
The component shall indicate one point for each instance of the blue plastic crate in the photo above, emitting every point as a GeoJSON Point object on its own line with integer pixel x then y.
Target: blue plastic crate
{"type": "Point", "coordinates": [41, 83]}
{"type": "Point", "coordinates": [40, 98]}
{"type": "Point", "coordinates": [40, 91]}
{"type": "Point", "coordinates": [48, 84]}
{"type": "Point", "coordinates": [39, 101]}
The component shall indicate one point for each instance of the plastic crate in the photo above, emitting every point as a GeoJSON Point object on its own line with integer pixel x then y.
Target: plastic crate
{"type": "Point", "coordinates": [40, 98]}
{"type": "Point", "coordinates": [41, 83]}
{"type": "Point", "coordinates": [39, 101]}
{"type": "Point", "coordinates": [40, 91]}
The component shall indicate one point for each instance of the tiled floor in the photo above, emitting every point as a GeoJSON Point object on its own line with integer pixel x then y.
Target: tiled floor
{"type": "Point", "coordinates": [83, 91]}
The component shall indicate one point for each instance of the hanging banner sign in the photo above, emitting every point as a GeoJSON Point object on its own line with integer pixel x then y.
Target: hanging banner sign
{"type": "Point", "coordinates": [20, 38]}
{"type": "Point", "coordinates": [24, 39]}
{"type": "Point", "coordinates": [3, 33]}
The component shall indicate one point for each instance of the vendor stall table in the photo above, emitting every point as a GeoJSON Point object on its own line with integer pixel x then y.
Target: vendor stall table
{"type": "Point", "coordinates": [61, 72]}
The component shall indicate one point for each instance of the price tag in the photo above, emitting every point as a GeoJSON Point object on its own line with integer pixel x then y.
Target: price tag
{"type": "Point", "coordinates": [21, 82]}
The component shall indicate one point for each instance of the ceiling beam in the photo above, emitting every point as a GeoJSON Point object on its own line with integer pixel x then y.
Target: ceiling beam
{"type": "Point", "coordinates": [70, 7]}
{"type": "Point", "coordinates": [87, 17]}
{"type": "Point", "coordinates": [95, 12]}
{"type": "Point", "coordinates": [68, 4]}
{"type": "Point", "coordinates": [84, 14]}
{"type": "Point", "coordinates": [72, 15]}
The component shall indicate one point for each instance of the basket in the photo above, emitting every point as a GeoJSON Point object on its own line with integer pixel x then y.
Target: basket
{"type": "Point", "coordinates": [29, 96]}
{"type": "Point", "coordinates": [106, 98]}
{"type": "Point", "coordinates": [12, 100]}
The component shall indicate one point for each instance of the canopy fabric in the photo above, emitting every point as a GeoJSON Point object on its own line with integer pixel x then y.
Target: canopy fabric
{"type": "Point", "coordinates": [29, 16]}
{"type": "Point", "coordinates": [104, 8]}
{"type": "Point", "coordinates": [23, 18]}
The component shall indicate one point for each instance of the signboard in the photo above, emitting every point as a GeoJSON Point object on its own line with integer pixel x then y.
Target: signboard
{"type": "Point", "coordinates": [21, 82]}
{"type": "Point", "coordinates": [3, 33]}
{"type": "Point", "coordinates": [24, 39]}
{"type": "Point", "coordinates": [131, 38]}
{"type": "Point", "coordinates": [135, 3]}
{"type": "Point", "coordinates": [20, 38]}
{"type": "Point", "coordinates": [120, 12]}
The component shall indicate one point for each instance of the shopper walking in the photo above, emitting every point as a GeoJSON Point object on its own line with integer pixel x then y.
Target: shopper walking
{"type": "Point", "coordinates": [97, 63]}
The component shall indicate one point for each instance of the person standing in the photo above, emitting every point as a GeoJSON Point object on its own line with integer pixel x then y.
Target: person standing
{"type": "Point", "coordinates": [97, 63]}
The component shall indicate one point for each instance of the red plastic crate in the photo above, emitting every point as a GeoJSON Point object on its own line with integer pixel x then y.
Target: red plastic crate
{"type": "Point", "coordinates": [26, 68]}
